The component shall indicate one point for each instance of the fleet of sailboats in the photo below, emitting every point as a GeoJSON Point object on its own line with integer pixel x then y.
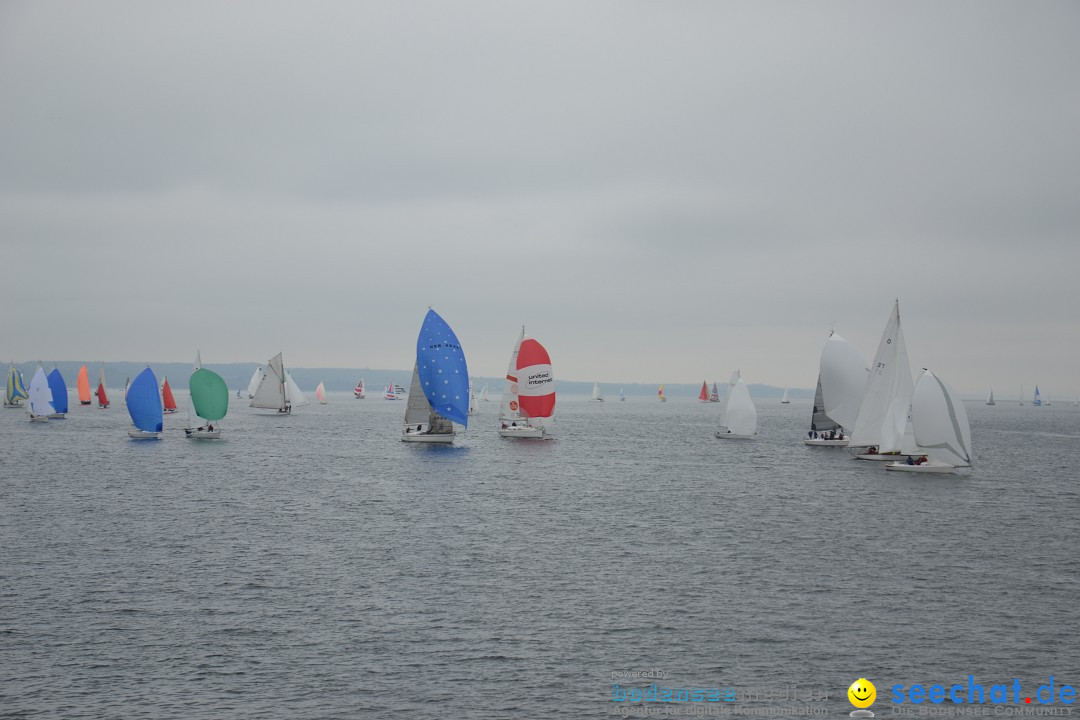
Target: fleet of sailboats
{"type": "Point", "coordinates": [528, 401]}
{"type": "Point", "coordinates": [439, 392]}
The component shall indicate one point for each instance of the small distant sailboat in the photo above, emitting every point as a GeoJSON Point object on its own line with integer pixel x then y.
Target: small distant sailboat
{"type": "Point", "coordinates": [940, 425]}
{"type": "Point", "coordinates": [40, 397]}
{"type": "Point", "coordinates": [1021, 394]}
{"type": "Point", "coordinates": [127, 384]}
{"type": "Point", "coordinates": [358, 391]}
{"type": "Point", "coordinates": [714, 394]}
{"type": "Point", "coordinates": [484, 394]}
{"type": "Point", "coordinates": [320, 393]}
{"type": "Point", "coordinates": [82, 382]}
{"type": "Point", "coordinates": [622, 395]}
{"type": "Point", "coordinates": [472, 399]}
{"type": "Point", "coordinates": [784, 400]}
{"type": "Point", "coordinates": [391, 392]}
{"type": "Point", "coordinates": [703, 396]}
{"type": "Point", "coordinates": [276, 389]}
{"type": "Point", "coordinates": [597, 396]}
{"type": "Point", "coordinates": [168, 402]}
{"type": "Point", "coordinates": [660, 394]}
{"type": "Point", "coordinates": [59, 395]}
{"type": "Point", "coordinates": [739, 416]}
{"type": "Point", "coordinates": [528, 401]}
{"type": "Point", "coordinates": [439, 392]}
{"type": "Point", "coordinates": [990, 397]}
{"type": "Point", "coordinates": [253, 384]}
{"type": "Point", "coordinates": [1047, 400]}
{"type": "Point", "coordinates": [102, 396]}
{"type": "Point", "coordinates": [16, 389]}
{"type": "Point", "coordinates": [1035, 400]}
{"type": "Point", "coordinates": [144, 407]}
{"type": "Point", "coordinates": [210, 398]}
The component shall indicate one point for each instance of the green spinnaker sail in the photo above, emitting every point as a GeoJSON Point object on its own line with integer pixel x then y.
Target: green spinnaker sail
{"type": "Point", "coordinates": [209, 394]}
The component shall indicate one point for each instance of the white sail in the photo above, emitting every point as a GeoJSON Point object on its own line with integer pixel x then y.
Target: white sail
{"type": "Point", "coordinates": [418, 410]}
{"type": "Point", "coordinates": [198, 361]}
{"type": "Point", "coordinates": [940, 422]}
{"type": "Point", "coordinates": [253, 384]}
{"type": "Point", "coordinates": [739, 414]}
{"type": "Point", "coordinates": [472, 398]}
{"type": "Point", "coordinates": [484, 394]}
{"type": "Point", "coordinates": [842, 376]}
{"type": "Point", "coordinates": [509, 405]}
{"type": "Point", "coordinates": [41, 399]}
{"type": "Point", "coordinates": [884, 409]}
{"type": "Point", "coordinates": [292, 391]}
{"type": "Point", "coordinates": [596, 395]}
{"type": "Point", "coordinates": [990, 397]}
{"type": "Point", "coordinates": [784, 400]}
{"type": "Point", "coordinates": [320, 393]}
{"type": "Point", "coordinates": [270, 392]}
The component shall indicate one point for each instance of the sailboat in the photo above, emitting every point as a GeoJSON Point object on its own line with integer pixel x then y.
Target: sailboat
{"type": "Point", "coordinates": [391, 392]}
{"type": "Point", "coordinates": [597, 396]}
{"type": "Point", "coordinates": [358, 391]}
{"type": "Point", "coordinates": [127, 384]}
{"type": "Point", "coordinates": [940, 426]}
{"type": "Point", "coordinates": [168, 402]}
{"type": "Point", "coordinates": [439, 392]}
{"type": "Point", "coordinates": [990, 397]}
{"type": "Point", "coordinates": [102, 396]}
{"type": "Point", "coordinates": [528, 401]}
{"type": "Point", "coordinates": [1021, 394]}
{"type": "Point", "coordinates": [714, 394]}
{"type": "Point", "coordinates": [320, 393]}
{"type": "Point", "coordinates": [1035, 399]}
{"type": "Point", "coordinates": [738, 419]}
{"type": "Point", "coordinates": [198, 361]}
{"type": "Point", "coordinates": [472, 399]}
{"type": "Point", "coordinates": [703, 396]}
{"type": "Point", "coordinates": [59, 395]}
{"type": "Point", "coordinates": [82, 382]}
{"type": "Point", "coordinates": [16, 389]}
{"type": "Point", "coordinates": [40, 397]}
{"type": "Point", "coordinates": [622, 395]}
{"type": "Point", "coordinates": [210, 398]}
{"type": "Point", "coordinates": [144, 407]}
{"type": "Point", "coordinates": [842, 374]}
{"type": "Point", "coordinates": [484, 394]}
{"type": "Point", "coordinates": [660, 394]}
{"type": "Point", "coordinates": [253, 384]}
{"type": "Point", "coordinates": [882, 419]}
{"type": "Point", "coordinates": [784, 400]}
{"type": "Point", "coordinates": [276, 390]}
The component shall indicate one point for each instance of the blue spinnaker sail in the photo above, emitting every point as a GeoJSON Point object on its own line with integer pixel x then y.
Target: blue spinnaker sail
{"type": "Point", "coordinates": [441, 366]}
{"type": "Point", "coordinates": [59, 391]}
{"type": "Point", "coordinates": [144, 402]}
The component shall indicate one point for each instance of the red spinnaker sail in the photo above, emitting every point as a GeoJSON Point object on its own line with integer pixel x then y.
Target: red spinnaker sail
{"type": "Point", "coordinates": [102, 398]}
{"type": "Point", "coordinates": [168, 402]}
{"type": "Point", "coordinates": [703, 396]}
{"type": "Point", "coordinates": [536, 382]}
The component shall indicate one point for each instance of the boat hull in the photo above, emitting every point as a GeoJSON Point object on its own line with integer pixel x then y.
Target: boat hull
{"type": "Point", "coordinates": [57, 416]}
{"type": "Point", "coordinates": [422, 437]}
{"type": "Point", "coordinates": [881, 457]}
{"type": "Point", "coordinates": [734, 436]}
{"type": "Point", "coordinates": [924, 468]}
{"type": "Point", "coordinates": [13, 405]}
{"type": "Point", "coordinates": [141, 435]}
{"type": "Point", "coordinates": [825, 443]}
{"type": "Point", "coordinates": [170, 411]}
{"type": "Point", "coordinates": [39, 418]}
{"type": "Point", "coordinates": [522, 432]}
{"type": "Point", "coordinates": [193, 434]}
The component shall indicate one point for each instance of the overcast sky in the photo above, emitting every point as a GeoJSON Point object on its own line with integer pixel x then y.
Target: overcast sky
{"type": "Point", "coordinates": [659, 191]}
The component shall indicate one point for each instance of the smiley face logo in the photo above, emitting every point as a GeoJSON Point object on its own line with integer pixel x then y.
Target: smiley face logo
{"type": "Point", "coordinates": [862, 693]}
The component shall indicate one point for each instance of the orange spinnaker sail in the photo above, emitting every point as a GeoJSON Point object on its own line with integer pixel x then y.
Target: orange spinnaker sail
{"type": "Point", "coordinates": [84, 386]}
{"type": "Point", "coordinates": [168, 402]}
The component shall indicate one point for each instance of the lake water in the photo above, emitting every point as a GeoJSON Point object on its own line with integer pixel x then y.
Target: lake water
{"type": "Point", "coordinates": [314, 566]}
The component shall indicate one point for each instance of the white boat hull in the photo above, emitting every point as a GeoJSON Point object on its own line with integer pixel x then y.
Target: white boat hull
{"type": "Point", "coordinates": [422, 437]}
{"type": "Point", "coordinates": [882, 457]}
{"type": "Point", "coordinates": [526, 431]}
{"type": "Point", "coordinates": [39, 418]}
{"type": "Point", "coordinates": [142, 435]}
{"type": "Point", "coordinates": [169, 412]}
{"type": "Point", "coordinates": [812, 442]}
{"type": "Point", "coordinates": [193, 434]}
{"type": "Point", "coordinates": [734, 436]}
{"type": "Point", "coordinates": [928, 467]}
